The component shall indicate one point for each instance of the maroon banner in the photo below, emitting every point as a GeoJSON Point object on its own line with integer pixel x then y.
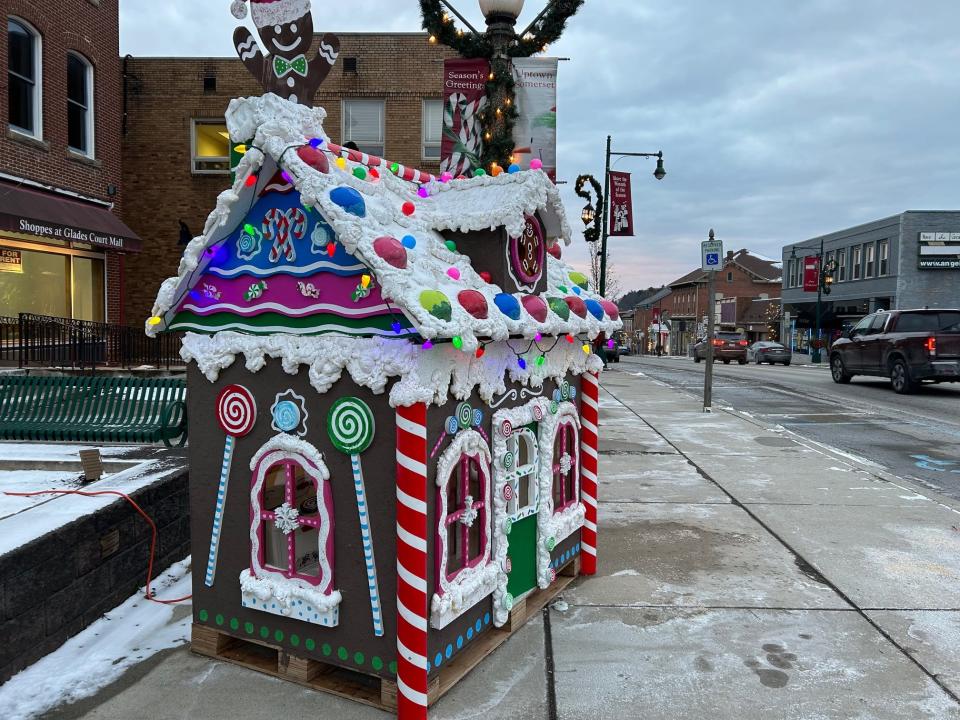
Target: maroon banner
{"type": "Point", "coordinates": [811, 273]}
{"type": "Point", "coordinates": [464, 98]}
{"type": "Point", "coordinates": [621, 205]}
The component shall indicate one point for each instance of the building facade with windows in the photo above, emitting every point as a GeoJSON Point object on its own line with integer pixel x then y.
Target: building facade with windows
{"type": "Point", "coordinates": [384, 94]}
{"type": "Point", "coordinates": [911, 260]}
{"type": "Point", "coordinates": [63, 246]}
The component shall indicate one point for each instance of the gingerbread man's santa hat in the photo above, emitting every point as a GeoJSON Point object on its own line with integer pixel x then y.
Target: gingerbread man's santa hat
{"type": "Point", "coordinates": [267, 13]}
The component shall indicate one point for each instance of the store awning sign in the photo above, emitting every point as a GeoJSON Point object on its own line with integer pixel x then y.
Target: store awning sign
{"type": "Point", "coordinates": [11, 261]}
{"type": "Point", "coordinates": [939, 251]}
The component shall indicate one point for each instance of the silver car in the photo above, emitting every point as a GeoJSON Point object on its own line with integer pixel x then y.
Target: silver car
{"type": "Point", "coordinates": [768, 352]}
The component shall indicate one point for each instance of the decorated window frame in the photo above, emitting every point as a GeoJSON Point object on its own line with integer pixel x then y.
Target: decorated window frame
{"type": "Point", "coordinates": [526, 254]}
{"type": "Point", "coordinates": [556, 524]}
{"type": "Point", "coordinates": [291, 591]}
{"type": "Point", "coordinates": [465, 466]}
{"type": "Point", "coordinates": [511, 428]}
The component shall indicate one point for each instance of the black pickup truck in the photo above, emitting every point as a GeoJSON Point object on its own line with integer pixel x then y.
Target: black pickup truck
{"type": "Point", "coordinates": [907, 346]}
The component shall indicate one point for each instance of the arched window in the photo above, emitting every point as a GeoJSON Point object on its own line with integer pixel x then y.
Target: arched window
{"type": "Point", "coordinates": [291, 535]}
{"type": "Point", "coordinates": [525, 497]}
{"type": "Point", "coordinates": [24, 76]}
{"type": "Point", "coordinates": [79, 104]}
{"type": "Point", "coordinates": [566, 466]}
{"type": "Point", "coordinates": [466, 522]}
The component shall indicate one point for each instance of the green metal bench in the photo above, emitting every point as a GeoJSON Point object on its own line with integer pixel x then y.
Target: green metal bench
{"type": "Point", "coordinates": [93, 409]}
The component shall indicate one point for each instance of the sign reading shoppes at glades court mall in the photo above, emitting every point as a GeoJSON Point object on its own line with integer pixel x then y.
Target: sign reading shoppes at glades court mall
{"type": "Point", "coordinates": [621, 205]}
{"type": "Point", "coordinates": [54, 231]}
{"type": "Point", "coordinates": [464, 98]}
{"type": "Point", "coordinates": [939, 251]}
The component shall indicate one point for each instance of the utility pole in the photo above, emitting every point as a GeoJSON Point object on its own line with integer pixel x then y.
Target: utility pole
{"type": "Point", "coordinates": [710, 248]}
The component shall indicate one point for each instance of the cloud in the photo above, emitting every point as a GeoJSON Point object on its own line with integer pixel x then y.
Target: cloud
{"type": "Point", "coordinates": [778, 120]}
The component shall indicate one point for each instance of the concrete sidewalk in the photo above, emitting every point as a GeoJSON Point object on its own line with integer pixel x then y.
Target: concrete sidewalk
{"type": "Point", "coordinates": [744, 575]}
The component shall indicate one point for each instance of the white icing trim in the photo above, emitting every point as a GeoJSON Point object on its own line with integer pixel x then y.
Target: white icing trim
{"type": "Point", "coordinates": [472, 584]}
{"type": "Point", "coordinates": [517, 417]}
{"type": "Point", "coordinates": [561, 525]}
{"type": "Point", "coordinates": [427, 376]}
{"type": "Point", "coordinates": [282, 12]}
{"type": "Point", "coordinates": [266, 584]}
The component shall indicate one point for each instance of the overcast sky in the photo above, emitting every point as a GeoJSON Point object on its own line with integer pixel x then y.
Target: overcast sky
{"type": "Point", "coordinates": [779, 119]}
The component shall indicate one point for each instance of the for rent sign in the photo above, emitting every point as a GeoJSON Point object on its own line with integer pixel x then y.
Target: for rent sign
{"type": "Point", "coordinates": [11, 261]}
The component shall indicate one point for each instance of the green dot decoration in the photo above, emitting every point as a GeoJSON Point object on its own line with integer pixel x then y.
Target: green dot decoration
{"type": "Point", "coordinates": [203, 615]}
{"type": "Point", "coordinates": [310, 644]}
{"type": "Point", "coordinates": [219, 620]}
{"type": "Point", "coordinates": [376, 662]}
{"type": "Point", "coordinates": [234, 624]}
{"type": "Point", "coordinates": [393, 668]}
{"type": "Point", "coordinates": [295, 640]}
{"type": "Point", "coordinates": [326, 649]}
{"type": "Point", "coordinates": [249, 628]}
{"type": "Point", "coordinates": [358, 658]}
{"type": "Point", "coordinates": [342, 653]}
{"type": "Point", "coordinates": [278, 636]}
{"type": "Point", "coordinates": [264, 632]}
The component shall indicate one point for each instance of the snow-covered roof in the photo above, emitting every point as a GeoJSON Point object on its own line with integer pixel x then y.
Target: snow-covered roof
{"type": "Point", "coordinates": [371, 216]}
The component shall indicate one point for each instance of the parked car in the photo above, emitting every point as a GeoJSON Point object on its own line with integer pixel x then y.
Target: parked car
{"type": "Point", "coordinates": [727, 346]}
{"type": "Point", "coordinates": [907, 346]}
{"type": "Point", "coordinates": [623, 350]}
{"type": "Point", "coordinates": [768, 352]}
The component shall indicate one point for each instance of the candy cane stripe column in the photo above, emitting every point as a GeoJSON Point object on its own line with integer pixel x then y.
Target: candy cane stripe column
{"type": "Point", "coordinates": [412, 592]}
{"type": "Point", "coordinates": [590, 420]}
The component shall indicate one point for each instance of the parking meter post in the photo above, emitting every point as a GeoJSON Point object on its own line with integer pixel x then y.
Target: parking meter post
{"type": "Point", "coordinates": [711, 306]}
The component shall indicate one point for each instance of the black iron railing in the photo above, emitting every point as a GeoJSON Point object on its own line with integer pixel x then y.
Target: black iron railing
{"type": "Point", "coordinates": [42, 341]}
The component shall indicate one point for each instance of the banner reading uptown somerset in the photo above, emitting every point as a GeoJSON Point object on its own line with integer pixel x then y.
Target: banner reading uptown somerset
{"type": "Point", "coordinates": [621, 205]}
{"type": "Point", "coordinates": [464, 97]}
{"type": "Point", "coordinates": [535, 132]}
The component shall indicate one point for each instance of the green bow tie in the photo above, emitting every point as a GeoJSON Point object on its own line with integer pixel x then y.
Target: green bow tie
{"type": "Point", "coordinates": [282, 68]}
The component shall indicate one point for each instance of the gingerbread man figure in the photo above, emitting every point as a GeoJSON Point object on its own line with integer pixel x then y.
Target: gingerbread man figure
{"type": "Point", "coordinates": [286, 30]}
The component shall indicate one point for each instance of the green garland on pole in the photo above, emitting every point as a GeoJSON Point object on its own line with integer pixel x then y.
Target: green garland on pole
{"type": "Point", "coordinates": [498, 120]}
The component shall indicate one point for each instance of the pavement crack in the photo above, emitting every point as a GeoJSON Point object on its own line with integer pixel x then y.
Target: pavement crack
{"type": "Point", "coordinates": [549, 665]}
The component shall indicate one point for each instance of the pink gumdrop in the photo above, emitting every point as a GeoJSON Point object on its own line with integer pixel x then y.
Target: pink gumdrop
{"type": "Point", "coordinates": [536, 164]}
{"type": "Point", "coordinates": [454, 273]}
{"type": "Point", "coordinates": [423, 192]}
{"type": "Point", "coordinates": [446, 177]}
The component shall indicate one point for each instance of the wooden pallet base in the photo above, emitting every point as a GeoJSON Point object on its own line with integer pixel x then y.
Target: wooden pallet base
{"type": "Point", "coordinates": [367, 689]}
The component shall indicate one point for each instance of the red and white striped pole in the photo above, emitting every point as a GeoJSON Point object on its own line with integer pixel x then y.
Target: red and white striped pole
{"type": "Point", "coordinates": [412, 596]}
{"type": "Point", "coordinates": [589, 440]}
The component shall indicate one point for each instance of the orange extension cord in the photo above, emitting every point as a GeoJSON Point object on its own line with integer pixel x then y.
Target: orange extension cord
{"type": "Point", "coordinates": [153, 528]}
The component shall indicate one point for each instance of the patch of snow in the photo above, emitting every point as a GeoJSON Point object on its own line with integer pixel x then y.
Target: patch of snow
{"type": "Point", "coordinates": [99, 655]}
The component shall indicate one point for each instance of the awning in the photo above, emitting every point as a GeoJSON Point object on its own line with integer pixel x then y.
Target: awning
{"type": "Point", "coordinates": [53, 217]}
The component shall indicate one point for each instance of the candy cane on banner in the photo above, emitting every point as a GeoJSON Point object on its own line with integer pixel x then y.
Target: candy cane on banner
{"type": "Point", "coordinates": [351, 427]}
{"type": "Point", "coordinates": [278, 226]}
{"type": "Point", "coordinates": [590, 420]}
{"type": "Point", "coordinates": [412, 595]}
{"type": "Point", "coordinates": [237, 414]}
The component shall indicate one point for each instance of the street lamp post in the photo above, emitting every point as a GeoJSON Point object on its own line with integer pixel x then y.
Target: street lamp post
{"type": "Point", "coordinates": [660, 173]}
{"type": "Point", "coordinates": [824, 287]}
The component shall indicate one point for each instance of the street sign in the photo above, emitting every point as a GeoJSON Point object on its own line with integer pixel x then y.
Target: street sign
{"type": "Point", "coordinates": [712, 254]}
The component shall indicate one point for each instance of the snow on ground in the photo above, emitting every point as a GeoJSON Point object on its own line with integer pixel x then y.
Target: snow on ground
{"type": "Point", "coordinates": [60, 452]}
{"type": "Point", "coordinates": [99, 655]}
{"type": "Point", "coordinates": [28, 480]}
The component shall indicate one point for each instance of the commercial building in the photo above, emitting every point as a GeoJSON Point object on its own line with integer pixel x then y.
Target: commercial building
{"type": "Point", "coordinates": [910, 260]}
{"type": "Point", "coordinates": [384, 94]}
{"type": "Point", "coordinates": [743, 278]}
{"type": "Point", "coordinates": [63, 246]}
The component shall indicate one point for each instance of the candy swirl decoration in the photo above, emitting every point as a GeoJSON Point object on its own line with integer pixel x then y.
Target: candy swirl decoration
{"type": "Point", "coordinates": [248, 244]}
{"type": "Point", "coordinates": [289, 414]}
{"type": "Point", "coordinates": [506, 429]}
{"type": "Point", "coordinates": [538, 412]}
{"type": "Point", "coordinates": [350, 425]}
{"type": "Point", "coordinates": [464, 415]}
{"type": "Point", "coordinates": [236, 410]}
{"type": "Point", "coordinates": [452, 425]}
{"type": "Point", "coordinates": [508, 460]}
{"type": "Point", "coordinates": [508, 493]}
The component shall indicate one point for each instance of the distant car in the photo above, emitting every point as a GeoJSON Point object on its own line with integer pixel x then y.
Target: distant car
{"type": "Point", "coordinates": [727, 346]}
{"type": "Point", "coordinates": [768, 352]}
{"type": "Point", "coordinates": [623, 350]}
{"type": "Point", "coordinates": [907, 346]}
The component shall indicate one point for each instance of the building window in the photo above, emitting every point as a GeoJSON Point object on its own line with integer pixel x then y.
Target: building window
{"type": "Point", "coordinates": [566, 467]}
{"type": "Point", "coordinates": [432, 129]}
{"type": "Point", "coordinates": [210, 144]}
{"type": "Point", "coordinates": [884, 268]}
{"type": "Point", "coordinates": [466, 515]}
{"type": "Point", "coordinates": [24, 87]}
{"type": "Point", "coordinates": [74, 283]}
{"type": "Point", "coordinates": [841, 265]}
{"type": "Point", "coordinates": [871, 260]}
{"type": "Point", "coordinates": [794, 266]}
{"type": "Point", "coordinates": [856, 264]}
{"type": "Point", "coordinates": [363, 123]}
{"type": "Point", "coordinates": [729, 277]}
{"type": "Point", "coordinates": [291, 535]}
{"type": "Point", "coordinates": [79, 104]}
{"type": "Point", "coordinates": [525, 498]}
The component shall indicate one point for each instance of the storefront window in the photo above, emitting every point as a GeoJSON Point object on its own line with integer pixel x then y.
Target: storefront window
{"type": "Point", "coordinates": [53, 284]}
{"type": "Point", "coordinates": [211, 147]}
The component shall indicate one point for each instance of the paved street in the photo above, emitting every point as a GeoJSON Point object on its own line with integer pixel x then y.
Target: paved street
{"type": "Point", "coordinates": [915, 436]}
{"type": "Point", "coordinates": [745, 574]}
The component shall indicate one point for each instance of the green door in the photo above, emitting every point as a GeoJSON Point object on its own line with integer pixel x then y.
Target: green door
{"type": "Point", "coordinates": [522, 553]}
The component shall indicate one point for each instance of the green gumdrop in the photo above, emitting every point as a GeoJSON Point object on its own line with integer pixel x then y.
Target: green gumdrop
{"type": "Point", "coordinates": [579, 279]}
{"type": "Point", "coordinates": [437, 304]}
{"type": "Point", "coordinates": [451, 245]}
{"type": "Point", "coordinates": [360, 173]}
{"type": "Point", "coordinates": [559, 307]}
{"type": "Point", "coordinates": [563, 288]}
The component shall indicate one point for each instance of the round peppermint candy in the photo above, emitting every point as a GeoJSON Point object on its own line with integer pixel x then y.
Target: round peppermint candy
{"type": "Point", "coordinates": [286, 415]}
{"type": "Point", "coordinates": [508, 492]}
{"type": "Point", "coordinates": [236, 410]}
{"type": "Point", "coordinates": [538, 412]}
{"type": "Point", "coordinates": [452, 426]}
{"type": "Point", "coordinates": [464, 415]}
{"type": "Point", "coordinates": [477, 418]}
{"type": "Point", "coordinates": [506, 429]}
{"type": "Point", "coordinates": [350, 425]}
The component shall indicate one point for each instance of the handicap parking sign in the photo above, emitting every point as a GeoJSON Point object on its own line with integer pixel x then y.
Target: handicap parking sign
{"type": "Point", "coordinates": [713, 259]}
{"type": "Point", "coordinates": [712, 255]}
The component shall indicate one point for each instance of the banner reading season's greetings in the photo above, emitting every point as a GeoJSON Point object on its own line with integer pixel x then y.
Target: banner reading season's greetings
{"type": "Point", "coordinates": [535, 132]}
{"type": "Point", "coordinates": [464, 97]}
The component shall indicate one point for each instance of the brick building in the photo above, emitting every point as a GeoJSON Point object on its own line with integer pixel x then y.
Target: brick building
{"type": "Point", "coordinates": [743, 278]}
{"type": "Point", "coordinates": [384, 94]}
{"type": "Point", "coordinates": [63, 246]}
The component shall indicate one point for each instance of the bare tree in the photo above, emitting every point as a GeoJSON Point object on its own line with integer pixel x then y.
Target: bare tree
{"type": "Point", "coordinates": [614, 291]}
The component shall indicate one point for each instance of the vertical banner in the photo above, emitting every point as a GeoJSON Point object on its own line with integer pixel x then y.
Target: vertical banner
{"type": "Point", "coordinates": [811, 273]}
{"type": "Point", "coordinates": [621, 205]}
{"type": "Point", "coordinates": [535, 132]}
{"type": "Point", "coordinates": [464, 97]}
